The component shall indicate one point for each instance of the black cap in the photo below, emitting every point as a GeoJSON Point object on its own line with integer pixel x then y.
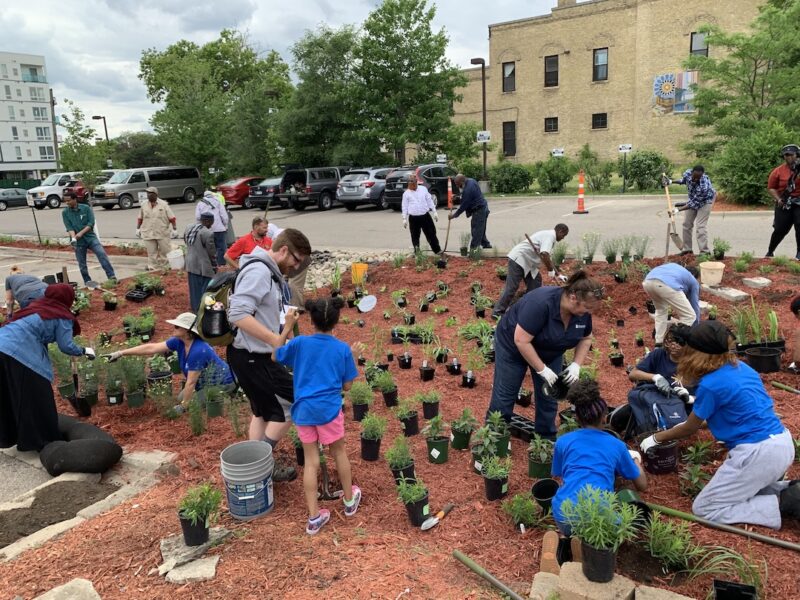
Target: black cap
{"type": "Point", "coordinates": [711, 337]}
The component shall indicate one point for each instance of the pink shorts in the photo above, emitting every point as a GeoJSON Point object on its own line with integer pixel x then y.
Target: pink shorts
{"type": "Point", "coordinates": [326, 434]}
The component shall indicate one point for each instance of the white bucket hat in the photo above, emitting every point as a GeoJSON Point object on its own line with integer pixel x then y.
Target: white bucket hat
{"type": "Point", "coordinates": [185, 321]}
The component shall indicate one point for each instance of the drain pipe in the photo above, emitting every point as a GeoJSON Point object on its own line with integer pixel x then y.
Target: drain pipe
{"type": "Point", "coordinates": [728, 528]}
{"type": "Point", "coordinates": [479, 570]}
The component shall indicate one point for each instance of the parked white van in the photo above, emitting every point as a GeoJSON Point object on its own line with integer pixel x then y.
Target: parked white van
{"type": "Point", "coordinates": [49, 192]}
{"type": "Point", "coordinates": [127, 187]}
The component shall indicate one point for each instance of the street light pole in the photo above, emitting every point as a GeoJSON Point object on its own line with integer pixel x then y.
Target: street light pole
{"type": "Point", "coordinates": [482, 63]}
{"type": "Point", "coordinates": [105, 127]}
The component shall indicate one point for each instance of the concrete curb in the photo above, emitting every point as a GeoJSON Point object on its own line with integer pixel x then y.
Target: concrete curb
{"type": "Point", "coordinates": [68, 256]}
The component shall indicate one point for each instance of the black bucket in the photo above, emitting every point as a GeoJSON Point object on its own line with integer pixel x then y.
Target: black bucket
{"type": "Point", "coordinates": [543, 492]}
{"type": "Point", "coordinates": [661, 459]}
{"type": "Point", "coordinates": [598, 565]}
{"type": "Point", "coordinates": [764, 360]}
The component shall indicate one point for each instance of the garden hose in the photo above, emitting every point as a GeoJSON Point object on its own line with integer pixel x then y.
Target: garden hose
{"type": "Point", "coordinates": [479, 570]}
{"type": "Point", "coordinates": [785, 388]}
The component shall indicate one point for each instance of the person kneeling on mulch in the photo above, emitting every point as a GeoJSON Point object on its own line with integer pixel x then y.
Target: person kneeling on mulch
{"type": "Point", "coordinates": [749, 487]}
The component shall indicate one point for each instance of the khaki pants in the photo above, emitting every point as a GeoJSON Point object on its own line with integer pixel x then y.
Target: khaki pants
{"type": "Point", "coordinates": [699, 218]}
{"type": "Point", "coordinates": [664, 297]}
{"type": "Point", "coordinates": [157, 253]}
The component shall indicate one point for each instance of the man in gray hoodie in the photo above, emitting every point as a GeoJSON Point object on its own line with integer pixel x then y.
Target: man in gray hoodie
{"type": "Point", "coordinates": [255, 310]}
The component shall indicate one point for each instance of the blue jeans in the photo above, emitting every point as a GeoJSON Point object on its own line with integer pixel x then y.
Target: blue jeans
{"type": "Point", "coordinates": [197, 287]}
{"type": "Point", "coordinates": [221, 246]}
{"type": "Point", "coordinates": [95, 246]}
{"type": "Point", "coordinates": [478, 228]}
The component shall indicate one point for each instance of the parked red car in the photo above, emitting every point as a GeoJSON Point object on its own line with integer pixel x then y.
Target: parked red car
{"type": "Point", "coordinates": [236, 191]}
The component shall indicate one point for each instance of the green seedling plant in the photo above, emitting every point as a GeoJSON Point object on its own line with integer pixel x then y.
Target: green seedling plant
{"type": "Point", "coordinates": [483, 302]}
{"type": "Point", "coordinates": [398, 456]}
{"type": "Point", "coordinates": [640, 245]}
{"type": "Point", "coordinates": [699, 453]}
{"type": "Point", "coordinates": [639, 336]}
{"type": "Point", "coordinates": [541, 449]}
{"type": "Point", "coordinates": [405, 408]}
{"type": "Point", "coordinates": [384, 382]}
{"type": "Point", "coordinates": [524, 511]}
{"type": "Point", "coordinates": [720, 246]}
{"type": "Point", "coordinates": [109, 284]}
{"type": "Point", "coordinates": [465, 423]}
{"type": "Point", "coordinates": [475, 330]}
{"type": "Point", "coordinates": [724, 563]}
{"type": "Point", "coordinates": [692, 480]}
{"type": "Point", "coordinates": [610, 249]}
{"type": "Point", "coordinates": [398, 260]}
{"type": "Point", "coordinates": [600, 519]}
{"type": "Point", "coordinates": [371, 371]}
{"type": "Point", "coordinates": [430, 397]}
{"type": "Point", "coordinates": [496, 468]}
{"type": "Point", "coordinates": [567, 425]}
{"type": "Point", "coordinates": [465, 238]}
{"type": "Point", "coordinates": [201, 504]}
{"type": "Point", "coordinates": [559, 253]}
{"type": "Point", "coordinates": [670, 542]}
{"type": "Point", "coordinates": [497, 423]}
{"type": "Point", "coordinates": [440, 309]}
{"type": "Point", "coordinates": [780, 261]}
{"type": "Point", "coordinates": [794, 268]}
{"type": "Point", "coordinates": [772, 326]}
{"type": "Point", "coordinates": [483, 442]}
{"type": "Point", "coordinates": [361, 393]}
{"type": "Point", "coordinates": [625, 246]}
{"type": "Point", "coordinates": [336, 278]}
{"type": "Point", "coordinates": [740, 265]}
{"type": "Point", "coordinates": [110, 297]}
{"type": "Point", "coordinates": [766, 269]}
{"type": "Point", "coordinates": [294, 437]}
{"type": "Point", "coordinates": [373, 426]}
{"type": "Point", "coordinates": [435, 428]}
{"type": "Point", "coordinates": [754, 319]}
{"type": "Point", "coordinates": [197, 421]}
{"type": "Point", "coordinates": [589, 243]}
{"type": "Point", "coordinates": [501, 271]}
{"type": "Point", "coordinates": [409, 491]}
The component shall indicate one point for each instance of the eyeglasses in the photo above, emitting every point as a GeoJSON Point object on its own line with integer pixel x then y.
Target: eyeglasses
{"type": "Point", "coordinates": [294, 256]}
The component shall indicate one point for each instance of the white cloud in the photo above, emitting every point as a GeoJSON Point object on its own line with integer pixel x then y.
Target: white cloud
{"type": "Point", "coordinates": [92, 47]}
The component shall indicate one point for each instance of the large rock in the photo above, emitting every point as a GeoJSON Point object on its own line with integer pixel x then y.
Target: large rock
{"type": "Point", "coordinates": [544, 586]}
{"type": "Point", "coordinates": [77, 589]}
{"type": "Point", "coordinates": [175, 553]}
{"type": "Point", "coordinates": [644, 592]}
{"type": "Point", "coordinates": [727, 293]}
{"type": "Point", "coordinates": [201, 569]}
{"type": "Point", "coordinates": [573, 585]}
{"type": "Point", "coordinates": [756, 282]}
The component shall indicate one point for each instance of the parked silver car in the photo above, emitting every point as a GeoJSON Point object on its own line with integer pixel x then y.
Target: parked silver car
{"type": "Point", "coordinates": [363, 186]}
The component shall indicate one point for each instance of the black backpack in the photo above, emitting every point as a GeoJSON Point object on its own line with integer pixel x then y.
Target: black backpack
{"type": "Point", "coordinates": [647, 410]}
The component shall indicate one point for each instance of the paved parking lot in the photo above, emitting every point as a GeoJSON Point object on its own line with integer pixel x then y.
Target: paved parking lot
{"type": "Point", "coordinates": [369, 228]}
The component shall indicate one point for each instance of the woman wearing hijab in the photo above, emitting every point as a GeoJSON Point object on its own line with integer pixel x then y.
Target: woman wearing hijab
{"type": "Point", "coordinates": [28, 416]}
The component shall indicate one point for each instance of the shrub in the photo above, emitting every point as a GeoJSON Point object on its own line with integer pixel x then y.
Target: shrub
{"type": "Point", "coordinates": [598, 174]}
{"type": "Point", "coordinates": [201, 504]}
{"type": "Point", "coordinates": [471, 168]}
{"type": "Point", "coordinates": [508, 178]}
{"type": "Point", "coordinates": [399, 453]}
{"type": "Point", "coordinates": [372, 427]}
{"type": "Point", "coordinates": [600, 519]}
{"type": "Point", "coordinates": [644, 169]}
{"type": "Point", "coordinates": [361, 393]}
{"type": "Point", "coordinates": [523, 511]}
{"type": "Point", "coordinates": [554, 173]}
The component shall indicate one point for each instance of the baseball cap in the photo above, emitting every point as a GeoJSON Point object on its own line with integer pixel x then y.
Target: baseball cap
{"type": "Point", "coordinates": [185, 321]}
{"type": "Point", "coordinates": [152, 189]}
{"type": "Point", "coordinates": [711, 337]}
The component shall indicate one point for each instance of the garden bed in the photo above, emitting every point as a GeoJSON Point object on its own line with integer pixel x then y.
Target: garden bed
{"type": "Point", "coordinates": [377, 554]}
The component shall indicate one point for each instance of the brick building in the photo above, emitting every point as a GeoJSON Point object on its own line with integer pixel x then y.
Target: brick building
{"type": "Point", "coordinates": [603, 72]}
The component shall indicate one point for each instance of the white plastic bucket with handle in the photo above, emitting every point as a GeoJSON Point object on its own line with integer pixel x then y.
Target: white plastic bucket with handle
{"type": "Point", "coordinates": [711, 272]}
{"type": "Point", "coordinates": [247, 470]}
{"type": "Point", "coordinates": [176, 259]}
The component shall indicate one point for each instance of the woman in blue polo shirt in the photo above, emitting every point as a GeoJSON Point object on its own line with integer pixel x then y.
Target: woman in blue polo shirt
{"type": "Point", "coordinates": [748, 487]}
{"type": "Point", "coordinates": [533, 335]}
{"type": "Point", "coordinates": [199, 363]}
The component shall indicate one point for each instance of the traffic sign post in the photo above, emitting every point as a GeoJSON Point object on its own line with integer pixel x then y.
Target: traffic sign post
{"type": "Point", "coordinates": [483, 137]}
{"type": "Point", "coordinates": [557, 152]}
{"type": "Point", "coordinates": [625, 149]}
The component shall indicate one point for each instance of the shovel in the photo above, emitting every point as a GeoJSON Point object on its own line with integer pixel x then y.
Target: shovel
{"type": "Point", "coordinates": [673, 232]}
{"type": "Point", "coordinates": [79, 404]}
{"type": "Point", "coordinates": [433, 521]}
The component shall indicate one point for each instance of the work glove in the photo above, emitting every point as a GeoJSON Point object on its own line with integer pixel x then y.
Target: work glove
{"type": "Point", "coordinates": [89, 353]}
{"type": "Point", "coordinates": [435, 216]}
{"type": "Point", "coordinates": [793, 368]}
{"type": "Point", "coordinates": [73, 242]}
{"type": "Point", "coordinates": [571, 373]}
{"type": "Point", "coordinates": [648, 443]}
{"type": "Point", "coordinates": [138, 233]}
{"type": "Point", "coordinates": [681, 392]}
{"type": "Point", "coordinates": [673, 212]}
{"type": "Point", "coordinates": [405, 223]}
{"type": "Point", "coordinates": [113, 357]}
{"type": "Point", "coordinates": [662, 384]}
{"type": "Point", "coordinates": [635, 456]}
{"type": "Point", "coordinates": [450, 217]}
{"type": "Point", "coordinates": [173, 234]}
{"type": "Point", "coordinates": [548, 375]}
{"type": "Point", "coordinates": [665, 181]}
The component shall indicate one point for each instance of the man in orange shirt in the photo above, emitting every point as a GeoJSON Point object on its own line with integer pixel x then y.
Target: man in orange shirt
{"type": "Point", "coordinates": [261, 236]}
{"type": "Point", "coordinates": [784, 187]}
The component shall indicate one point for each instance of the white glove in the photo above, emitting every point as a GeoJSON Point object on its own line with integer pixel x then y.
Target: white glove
{"type": "Point", "coordinates": [89, 353]}
{"type": "Point", "coordinates": [138, 233]}
{"type": "Point", "coordinates": [405, 223]}
{"type": "Point", "coordinates": [662, 384]}
{"type": "Point", "coordinates": [572, 372]}
{"type": "Point", "coordinates": [681, 392]}
{"type": "Point", "coordinates": [73, 241]}
{"type": "Point", "coordinates": [548, 375]}
{"type": "Point", "coordinates": [173, 234]}
{"type": "Point", "coordinates": [673, 212]}
{"type": "Point", "coordinates": [435, 216]}
{"type": "Point", "coordinates": [648, 443]}
{"type": "Point", "coordinates": [114, 356]}
{"type": "Point", "coordinates": [637, 458]}
{"type": "Point", "coordinates": [561, 278]}
{"type": "Point", "coordinates": [669, 181]}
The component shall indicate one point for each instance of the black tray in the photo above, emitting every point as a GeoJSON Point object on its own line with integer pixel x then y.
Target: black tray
{"type": "Point", "coordinates": [137, 295]}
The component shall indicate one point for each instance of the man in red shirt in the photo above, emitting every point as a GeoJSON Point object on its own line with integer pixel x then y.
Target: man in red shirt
{"type": "Point", "coordinates": [784, 187]}
{"type": "Point", "coordinates": [262, 235]}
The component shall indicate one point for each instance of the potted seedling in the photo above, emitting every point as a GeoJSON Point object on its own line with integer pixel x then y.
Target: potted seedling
{"type": "Point", "coordinates": [115, 377]}
{"type": "Point", "coordinates": [361, 399]}
{"type": "Point", "coordinates": [712, 312]}
{"type": "Point", "coordinates": [336, 281]}
{"type": "Point", "coordinates": [439, 351]}
{"type": "Point", "coordinates": [80, 303]}
{"type": "Point", "coordinates": [476, 286]}
{"type": "Point", "coordinates": [639, 337]}
{"type": "Point", "coordinates": [408, 318]}
{"type": "Point", "coordinates": [389, 357]}
{"type": "Point", "coordinates": [88, 371]}
{"type": "Point", "coordinates": [215, 401]}
{"type": "Point", "coordinates": [63, 369]}
{"type": "Point", "coordinates": [400, 460]}
{"type": "Point", "coordinates": [498, 425]}
{"type": "Point", "coordinates": [610, 249]}
{"type": "Point", "coordinates": [454, 367]}
{"type": "Point", "coordinates": [436, 440]}
{"type": "Point", "coordinates": [427, 371]}
{"type": "Point", "coordinates": [109, 301]}
{"type": "Point", "coordinates": [441, 262]}
{"type": "Point", "coordinates": [540, 457]}
{"type": "Point", "coordinates": [372, 429]}
{"type": "Point", "coordinates": [133, 371]}
{"type": "Point", "coordinates": [612, 338]}
{"type": "Point", "coordinates": [621, 276]}
{"type": "Point", "coordinates": [475, 361]}
{"type": "Point", "coordinates": [523, 512]}
{"type": "Point", "coordinates": [174, 364]}
{"type": "Point", "coordinates": [404, 360]}
{"type": "Point", "coordinates": [387, 315]}
{"type": "Point", "coordinates": [414, 495]}
{"type": "Point", "coordinates": [159, 370]}
{"type": "Point", "coordinates": [423, 305]}
{"type": "Point", "coordinates": [502, 273]}
{"type": "Point", "coordinates": [481, 304]}
{"type": "Point", "coordinates": [464, 245]}
{"type": "Point", "coordinates": [197, 511]}
{"type": "Point", "coordinates": [430, 403]}
{"type": "Point", "coordinates": [590, 241]}
{"type": "Point", "coordinates": [524, 397]}
{"type": "Point", "coordinates": [128, 323]}
{"type": "Point", "coordinates": [384, 382]}
{"type": "Point", "coordinates": [720, 248]}
{"type": "Point", "coordinates": [461, 430]}
{"type": "Point", "coordinates": [399, 298]}
{"type": "Point", "coordinates": [406, 411]}
{"type": "Point", "coordinates": [616, 357]}
{"type": "Point", "coordinates": [495, 476]}
{"type": "Point", "coordinates": [361, 360]}
{"type": "Point", "coordinates": [484, 445]}
{"type": "Point", "coordinates": [298, 446]}
{"type": "Point", "coordinates": [602, 522]}
{"type": "Point", "coordinates": [351, 300]}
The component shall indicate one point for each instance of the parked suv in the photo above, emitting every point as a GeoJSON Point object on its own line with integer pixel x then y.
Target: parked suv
{"type": "Point", "coordinates": [303, 187]}
{"type": "Point", "coordinates": [264, 194]}
{"type": "Point", "coordinates": [126, 188]}
{"type": "Point", "coordinates": [434, 177]}
{"type": "Point", "coordinates": [363, 186]}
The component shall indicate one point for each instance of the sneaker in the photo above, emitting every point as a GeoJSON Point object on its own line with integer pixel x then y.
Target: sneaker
{"type": "Point", "coordinates": [283, 472]}
{"type": "Point", "coordinates": [314, 525]}
{"type": "Point", "coordinates": [789, 502]}
{"type": "Point", "coordinates": [349, 511]}
{"type": "Point", "coordinates": [685, 252]}
{"type": "Point", "coordinates": [549, 563]}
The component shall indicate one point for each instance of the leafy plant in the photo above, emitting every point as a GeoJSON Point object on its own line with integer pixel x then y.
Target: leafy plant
{"type": "Point", "coordinates": [110, 298]}
{"type": "Point", "coordinates": [361, 393]}
{"type": "Point", "coordinates": [509, 178]}
{"type": "Point", "coordinates": [639, 335]}
{"type": "Point", "coordinates": [541, 449]}
{"type": "Point", "coordinates": [476, 360]}
{"type": "Point", "coordinates": [692, 480]}
{"type": "Point", "coordinates": [197, 422]}
{"type": "Point", "coordinates": [600, 519]}
{"type": "Point", "coordinates": [699, 453]}
{"type": "Point", "coordinates": [567, 425]}
{"type": "Point", "coordinates": [625, 246]}
{"type": "Point", "coordinates": [554, 173]}
{"type": "Point", "coordinates": [496, 468]}
{"type": "Point", "coordinates": [610, 249]}
{"type": "Point", "coordinates": [644, 169]}
{"type": "Point", "coordinates": [739, 319]}
{"type": "Point", "coordinates": [398, 260]}
{"type": "Point", "coordinates": [740, 266]}
{"type": "Point", "coordinates": [590, 242]}
{"type": "Point", "coordinates": [430, 397]}
{"type": "Point", "coordinates": [747, 257]}
{"type": "Point", "coordinates": [523, 511]}
{"type": "Point", "coordinates": [475, 330]}
{"type": "Point", "coordinates": [435, 428]}
{"type": "Point", "coordinates": [201, 504]}
{"type": "Point", "coordinates": [465, 423]}
{"type": "Point", "coordinates": [766, 269]}
{"type": "Point", "coordinates": [383, 381]}
{"type": "Point", "coordinates": [405, 408]}
{"type": "Point", "coordinates": [411, 491]}
{"type": "Point", "coordinates": [81, 302]}
{"type": "Point", "coordinates": [670, 542]}
{"type": "Point", "coordinates": [484, 441]}
{"type": "Point", "coordinates": [772, 332]}
{"type": "Point", "coordinates": [720, 245]}
{"type": "Point", "coordinates": [640, 245]}
{"type": "Point", "coordinates": [133, 371]}
{"type": "Point", "coordinates": [497, 423]}
{"type": "Point", "coordinates": [501, 271]}
{"type": "Point", "coordinates": [399, 453]}
{"type": "Point", "coordinates": [559, 252]}
{"type": "Point", "coordinates": [158, 364]}
{"type": "Point", "coordinates": [373, 426]}
{"type": "Point", "coordinates": [294, 437]}
{"type": "Point", "coordinates": [109, 284]}
{"type": "Point", "coordinates": [725, 563]}
{"type": "Point", "coordinates": [336, 278]}
{"type": "Point", "coordinates": [450, 321]}
{"type": "Point", "coordinates": [465, 239]}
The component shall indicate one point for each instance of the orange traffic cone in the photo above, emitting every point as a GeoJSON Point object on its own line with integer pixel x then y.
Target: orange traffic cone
{"type": "Point", "coordinates": [581, 209]}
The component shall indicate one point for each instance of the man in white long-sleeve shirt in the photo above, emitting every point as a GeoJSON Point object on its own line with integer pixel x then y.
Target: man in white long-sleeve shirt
{"type": "Point", "coordinates": [420, 212]}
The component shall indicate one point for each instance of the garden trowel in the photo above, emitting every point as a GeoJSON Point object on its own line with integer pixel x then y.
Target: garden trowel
{"type": "Point", "coordinates": [434, 520]}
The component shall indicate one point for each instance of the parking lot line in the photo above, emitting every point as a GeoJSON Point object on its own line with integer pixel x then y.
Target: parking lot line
{"type": "Point", "coordinates": [521, 206]}
{"type": "Point", "coordinates": [592, 207]}
{"type": "Point", "coordinates": [19, 262]}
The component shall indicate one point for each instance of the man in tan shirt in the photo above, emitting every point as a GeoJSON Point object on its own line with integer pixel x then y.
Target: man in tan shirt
{"type": "Point", "coordinates": [155, 226]}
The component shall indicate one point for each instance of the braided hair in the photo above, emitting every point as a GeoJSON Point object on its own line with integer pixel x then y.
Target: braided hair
{"type": "Point", "coordinates": [590, 408]}
{"type": "Point", "coordinates": [324, 312]}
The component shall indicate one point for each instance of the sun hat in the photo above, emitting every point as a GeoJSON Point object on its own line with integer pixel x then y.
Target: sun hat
{"type": "Point", "coordinates": [185, 321]}
{"type": "Point", "coordinates": [152, 189]}
{"type": "Point", "coordinates": [711, 337]}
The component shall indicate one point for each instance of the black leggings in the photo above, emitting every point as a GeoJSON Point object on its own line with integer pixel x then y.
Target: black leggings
{"type": "Point", "coordinates": [424, 223]}
{"type": "Point", "coordinates": [782, 224]}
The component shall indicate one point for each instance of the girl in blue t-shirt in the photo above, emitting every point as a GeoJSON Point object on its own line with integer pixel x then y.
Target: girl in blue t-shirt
{"type": "Point", "coordinates": [322, 367]}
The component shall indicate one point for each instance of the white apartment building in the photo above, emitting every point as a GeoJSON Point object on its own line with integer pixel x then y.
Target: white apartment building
{"type": "Point", "coordinates": [27, 128]}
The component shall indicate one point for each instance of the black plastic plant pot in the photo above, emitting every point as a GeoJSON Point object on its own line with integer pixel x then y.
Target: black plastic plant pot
{"type": "Point", "coordinates": [410, 425]}
{"type": "Point", "coordinates": [109, 306]}
{"type": "Point", "coordinates": [390, 397]}
{"type": "Point", "coordinates": [495, 488]}
{"type": "Point", "coordinates": [557, 391]}
{"type": "Point", "coordinates": [719, 255]}
{"type": "Point", "coordinates": [423, 307]}
{"type": "Point", "coordinates": [370, 449]}
{"type": "Point", "coordinates": [454, 369]}
{"type": "Point", "coordinates": [619, 278]}
{"type": "Point", "coordinates": [351, 303]}
{"type": "Point", "coordinates": [115, 398]}
{"type": "Point", "coordinates": [617, 360]}
{"type": "Point", "coordinates": [480, 313]}
{"type": "Point", "coordinates": [404, 474]}
{"type": "Point", "coordinates": [661, 459]}
{"type": "Point", "coordinates": [427, 373]}
{"type": "Point", "coordinates": [383, 366]}
{"type": "Point", "coordinates": [194, 535]}
{"type": "Point", "coordinates": [629, 496]}
{"type": "Point", "coordinates": [764, 360]}
{"type": "Point", "coordinates": [437, 449]}
{"type": "Point", "coordinates": [156, 377]}
{"type": "Point", "coordinates": [728, 590]}
{"type": "Point", "coordinates": [409, 319]}
{"type": "Point", "coordinates": [476, 464]}
{"type": "Point", "coordinates": [503, 445]}
{"type": "Point", "coordinates": [213, 409]}
{"type": "Point", "coordinates": [360, 411]}
{"type": "Point", "coordinates": [441, 264]}
{"type": "Point", "coordinates": [300, 455]}
{"type": "Point", "coordinates": [639, 342]}
{"type": "Point", "coordinates": [418, 511]}
{"type": "Point", "coordinates": [401, 302]}
{"type": "Point", "coordinates": [361, 322]}
{"type": "Point", "coordinates": [651, 306]}
{"type": "Point", "coordinates": [543, 492]}
{"type": "Point", "coordinates": [459, 440]}
{"type": "Point", "coordinates": [467, 381]}
{"type": "Point", "coordinates": [489, 356]}
{"type": "Point", "coordinates": [614, 343]}
{"type": "Point", "coordinates": [389, 357]}
{"type": "Point", "coordinates": [441, 358]}
{"type": "Point", "coordinates": [65, 390]}
{"type": "Point", "coordinates": [633, 310]}
{"type": "Point", "coordinates": [538, 470]}
{"type": "Point", "coordinates": [430, 409]}
{"type": "Point", "coordinates": [358, 292]}
{"type": "Point", "coordinates": [335, 293]}
{"type": "Point", "coordinates": [404, 361]}
{"type": "Point", "coordinates": [91, 397]}
{"type": "Point", "coordinates": [598, 565]}
{"type": "Point", "coordinates": [463, 250]}
{"type": "Point", "coordinates": [81, 406]}
{"type": "Point", "coordinates": [135, 399]}
{"type": "Point", "coordinates": [362, 361]}
{"type": "Point", "coordinates": [524, 398]}
{"type": "Point", "coordinates": [620, 322]}
{"type": "Point", "coordinates": [105, 338]}
{"type": "Point", "coordinates": [502, 276]}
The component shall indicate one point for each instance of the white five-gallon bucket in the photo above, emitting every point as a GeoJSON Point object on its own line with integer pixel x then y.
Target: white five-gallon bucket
{"type": "Point", "coordinates": [247, 470]}
{"type": "Point", "coordinates": [711, 272]}
{"type": "Point", "coordinates": [176, 259]}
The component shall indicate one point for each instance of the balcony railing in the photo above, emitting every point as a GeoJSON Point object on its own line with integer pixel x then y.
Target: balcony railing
{"type": "Point", "coordinates": [31, 78]}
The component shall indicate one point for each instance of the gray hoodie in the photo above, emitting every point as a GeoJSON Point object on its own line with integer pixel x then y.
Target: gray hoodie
{"type": "Point", "coordinates": [256, 294]}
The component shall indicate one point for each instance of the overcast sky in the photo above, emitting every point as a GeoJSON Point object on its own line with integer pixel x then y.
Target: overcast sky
{"type": "Point", "coordinates": [92, 47]}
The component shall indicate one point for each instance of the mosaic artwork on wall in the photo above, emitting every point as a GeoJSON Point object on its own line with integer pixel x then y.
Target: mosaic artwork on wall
{"type": "Point", "coordinates": [672, 92]}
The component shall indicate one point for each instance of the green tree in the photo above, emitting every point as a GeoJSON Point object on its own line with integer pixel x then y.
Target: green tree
{"type": "Point", "coordinates": [78, 152]}
{"type": "Point", "coordinates": [138, 149]}
{"type": "Point", "coordinates": [406, 84]}
{"type": "Point", "coordinates": [598, 173]}
{"type": "Point", "coordinates": [458, 143]}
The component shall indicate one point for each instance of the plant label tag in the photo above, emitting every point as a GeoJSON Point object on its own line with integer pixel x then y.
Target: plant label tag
{"type": "Point", "coordinates": [509, 445]}
{"type": "Point", "coordinates": [478, 466]}
{"type": "Point", "coordinates": [505, 487]}
{"type": "Point", "coordinates": [452, 437]}
{"type": "Point", "coordinates": [435, 453]}
{"type": "Point", "coordinates": [426, 510]}
{"type": "Point", "coordinates": [112, 399]}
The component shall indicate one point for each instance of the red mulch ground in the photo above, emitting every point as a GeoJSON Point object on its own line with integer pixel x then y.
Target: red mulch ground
{"type": "Point", "coordinates": [377, 554]}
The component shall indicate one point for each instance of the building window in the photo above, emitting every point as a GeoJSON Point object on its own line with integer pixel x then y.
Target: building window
{"type": "Point", "coordinates": [600, 65]}
{"type": "Point", "coordinates": [15, 72]}
{"type": "Point", "coordinates": [11, 114]}
{"type": "Point", "coordinates": [600, 121]}
{"type": "Point", "coordinates": [39, 114]}
{"type": "Point", "coordinates": [28, 153]}
{"type": "Point", "coordinates": [18, 152]}
{"type": "Point", "coordinates": [551, 71]}
{"type": "Point", "coordinates": [509, 78]}
{"type": "Point", "coordinates": [509, 138]}
{"type": "Point", "coordinates": [22, 112]}
{"type": "Point", "coordinates": [550, 124]}
{"type": "Point", "coordinates": [37, 94]}
{"type": "Point", "coordinates": [14, 133]}
{"type": "Point", "coordinates": [19, 93]}
{"type": "Point", "coordinates": [698, 45]}
{"type": "Point", "coordinates": [8, 92]}
{"type": "Point", "coordinates": [25, 133]}
{"type": "Point", "coordinates": [46, 152]}
{"type": "Point", "coordinates": [4, 71]}
{"type": "Point", "coordinates": [42, 133]}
